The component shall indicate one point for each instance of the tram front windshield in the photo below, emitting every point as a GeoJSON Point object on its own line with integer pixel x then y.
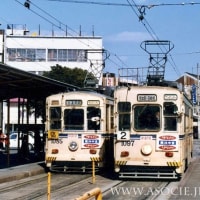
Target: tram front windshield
{"type": "Point", "coordinates": [74, 118]}
{"type": "Point", "coordinates": [147, 117]}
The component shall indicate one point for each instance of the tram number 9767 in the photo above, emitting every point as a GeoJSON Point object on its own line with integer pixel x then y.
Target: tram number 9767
{"type": "Point", "coordinates": [127, 143]}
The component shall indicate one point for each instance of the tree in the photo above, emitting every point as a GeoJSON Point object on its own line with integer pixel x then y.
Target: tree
{"type": "Point", "coordinates": [75, 76]}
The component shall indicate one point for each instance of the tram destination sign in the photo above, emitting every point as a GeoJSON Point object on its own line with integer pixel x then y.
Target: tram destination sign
{"type": "Point", "coordinates": [146, 97]}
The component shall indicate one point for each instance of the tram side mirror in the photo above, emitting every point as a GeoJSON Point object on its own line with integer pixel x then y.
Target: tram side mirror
{"type": "Point", "coordinates": [177, 112]}
{"type": "Point", "coordinates": [171, 109]}
{"type": "Point", "coordinates": [96, 119]}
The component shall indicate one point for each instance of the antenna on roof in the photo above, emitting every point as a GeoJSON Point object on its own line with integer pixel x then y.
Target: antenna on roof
{"type": "Point", "coordinates": [66, 30]}
{"type": "Point", "coordinates": [93, 30]}
{"type": "Point", "coordinates": [80, 31]}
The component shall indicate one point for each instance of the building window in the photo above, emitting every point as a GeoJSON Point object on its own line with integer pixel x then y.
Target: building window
{"type": "Point", "coordinates": [26, 55]}
{"type": "Point", "coordinates": [62, 54]}
{"type": "Point", "coordinates": [52, 54]}
{"type": "Point", "coordinates": [67, 55]}
{"type": "Point", "coordinates": [39, 55]}
{"type": "Point", "coordinates": [30, 55]}
{"type": "Point", "coordinates": [77, 55]}
{"type": "Point", "coordinates": [82, 56]}
{"type": "Point", "coordinates": [72, 55]}
{"type": "Point", "coordinates": [12, 54]}
{"type": "Point", "coordinates": [21, 55]}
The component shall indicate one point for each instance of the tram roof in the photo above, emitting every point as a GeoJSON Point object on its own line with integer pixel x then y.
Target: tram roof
{"type": "Point", "coordinates": [18, 83]}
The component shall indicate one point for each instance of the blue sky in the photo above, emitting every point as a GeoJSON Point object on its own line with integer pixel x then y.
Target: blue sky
{"type": "Point", "coordinates": [120, 28]}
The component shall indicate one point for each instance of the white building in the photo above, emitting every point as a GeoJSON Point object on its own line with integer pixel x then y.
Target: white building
{"type": "Point", "coordinates": [35, 53]}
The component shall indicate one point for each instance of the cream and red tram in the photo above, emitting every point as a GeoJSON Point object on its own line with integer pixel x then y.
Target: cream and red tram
{"type": "Point", "coordinates": [78, 125]}
{"type": "Point", "coordinates": [153, 138]}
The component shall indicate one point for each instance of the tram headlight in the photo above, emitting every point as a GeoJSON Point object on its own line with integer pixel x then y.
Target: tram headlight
{"type": "Point", "coordinates": [146, 149]}
{"type": "Point", "coordinates": [73, 146]}
{"type": "Point", "coordinates": [117, 168]}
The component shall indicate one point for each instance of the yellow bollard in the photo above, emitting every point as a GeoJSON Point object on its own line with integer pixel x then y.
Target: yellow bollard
{"type": "Point", "coordinates": [94, 192]}
{"type": "Point", "coordinates": [93, 171]}
{"type": "Point", "coordinates": [49, 186]}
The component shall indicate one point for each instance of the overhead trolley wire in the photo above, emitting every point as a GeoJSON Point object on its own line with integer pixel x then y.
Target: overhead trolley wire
{"type": "Point", "coordinates": [45, 18]}
{"type": "Point", "coordinates": [58, 25]}
{"type": "Point", "coordinates": [150, 30]}
{"type": "Point", "coordinates": [144, 21]}
{"type": "Point", "coordinates": [132, 5]}
{"type": "Point", "coordinates": [127, 5]}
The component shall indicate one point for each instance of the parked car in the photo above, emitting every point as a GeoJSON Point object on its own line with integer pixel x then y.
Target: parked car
{"type": "Point", "coordinates": [14, 140]}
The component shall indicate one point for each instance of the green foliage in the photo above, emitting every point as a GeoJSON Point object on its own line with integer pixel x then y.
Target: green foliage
{"type": "Point", "coordinates": [75, 76]}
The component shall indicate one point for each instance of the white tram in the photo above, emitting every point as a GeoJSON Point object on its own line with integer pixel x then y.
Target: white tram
{"type": "Point", "coordinates": [79, 126]}
{"type": "Point", "coordinates": [154, 136]}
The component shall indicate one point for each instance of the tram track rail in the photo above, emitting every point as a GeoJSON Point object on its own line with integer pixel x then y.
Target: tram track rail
{"type": "Point", "coordinates": [19, 184]}
{"type": "Point", "coordinates": [72, 186]}
{"type": "Point", "coordinates": [36, 187]}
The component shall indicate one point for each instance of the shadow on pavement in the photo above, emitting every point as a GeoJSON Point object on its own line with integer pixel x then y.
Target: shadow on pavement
{"type": "Point", "coordinates": [14, 158]}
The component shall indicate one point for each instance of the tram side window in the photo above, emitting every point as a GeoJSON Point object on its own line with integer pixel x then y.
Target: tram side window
{"type": "Point", "coordinates": [55, 118]}
{"type": "Point", "coordinates": [74, 119]}
{"type": "Point", "coordinates": [170, 116]}
{"type": "Point", "coordinates": [93, 118]}
{"type": "Point", "coordinates": [124, 109]}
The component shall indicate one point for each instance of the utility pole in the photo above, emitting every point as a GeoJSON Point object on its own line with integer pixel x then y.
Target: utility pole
{"type": "Point", "coordinates": [198, 100]}
{"type": "Point", "coordinates": [2, 36]}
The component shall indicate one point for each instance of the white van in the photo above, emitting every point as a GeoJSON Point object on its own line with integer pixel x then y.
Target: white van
{"type": "Point", "coordinates": [14, 140]}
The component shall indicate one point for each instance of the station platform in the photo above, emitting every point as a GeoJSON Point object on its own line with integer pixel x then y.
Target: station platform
{"type": "Point", "coordinates": [14, 166]}
{"type": "Point", "coordinates": [21, 171]}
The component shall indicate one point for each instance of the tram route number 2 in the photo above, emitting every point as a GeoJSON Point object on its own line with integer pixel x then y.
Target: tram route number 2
{"type": "Point", "coordinates": [53, 134]}
{"type": "Point", "coordinates": [123, 135]}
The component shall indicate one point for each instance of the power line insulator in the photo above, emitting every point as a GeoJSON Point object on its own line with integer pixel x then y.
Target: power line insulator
{"type": "Point", "coordinates": [141, 17]}
{"type": "Point", "coordinates": [27, 4]}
